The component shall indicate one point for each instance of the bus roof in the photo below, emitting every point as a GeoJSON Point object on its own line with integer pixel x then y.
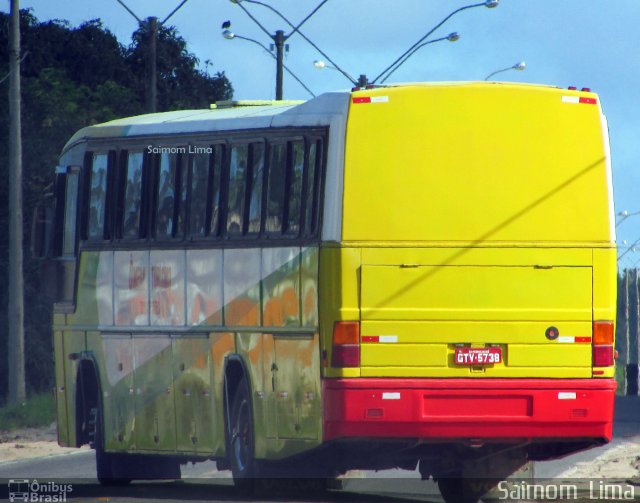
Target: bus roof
{"type": "Point", "coordinates": [225, 116]}
{"type": "Point", "coordinates": [237, 115]}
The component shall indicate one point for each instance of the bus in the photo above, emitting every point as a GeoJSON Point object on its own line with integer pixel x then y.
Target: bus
{"type": "Point", "coordinates": [417, 276]}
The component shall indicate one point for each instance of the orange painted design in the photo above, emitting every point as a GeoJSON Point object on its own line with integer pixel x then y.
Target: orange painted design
{"type": "Point", "coordinates": [129, 311]}
{"type": "Point", "coordinates": [310, 302]}
{"type": "Point", "coordinates": [242, 312]}
{"type": "Point", "coordinates": [205, 310]}
{"type": "Point", "coordinates": [279, 309]}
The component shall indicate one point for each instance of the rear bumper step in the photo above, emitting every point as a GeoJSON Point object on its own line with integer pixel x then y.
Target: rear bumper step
{"type": "Point", "coordinates": [469, 409]}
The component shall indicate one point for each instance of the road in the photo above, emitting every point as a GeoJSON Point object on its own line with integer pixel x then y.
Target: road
{"type": "Point", "coordinates": [202, 482]}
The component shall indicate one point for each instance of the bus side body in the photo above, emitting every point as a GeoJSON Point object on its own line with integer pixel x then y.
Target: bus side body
{"type": "Point", "coordinates": [155, 331]}
{"type": "Point", "coordinates": [476, 219]}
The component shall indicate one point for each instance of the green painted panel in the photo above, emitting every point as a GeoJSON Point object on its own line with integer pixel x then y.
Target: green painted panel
{"type": "Point", "coordinates": [194, 400]}
{"type": "Point", "coordinates": [155, 427]}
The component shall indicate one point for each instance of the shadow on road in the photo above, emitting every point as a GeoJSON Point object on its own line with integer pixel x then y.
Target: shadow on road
{"type": "Point", "coordinates": [220, 490]}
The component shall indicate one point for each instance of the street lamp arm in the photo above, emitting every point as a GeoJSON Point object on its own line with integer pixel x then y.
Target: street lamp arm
{"type": "Point", "coordinates": [272, 55]}
{"type": "Point", "coordinates": [408, 51]}
{"type": "Point", "coordinates": [281, 16]}
{"type": "Point", "coordinates": [173, 12]}
{"type": "Point", "coordinates": [518, 66]}
{"type": "Point", "coordinates": [498, 71]}
{"type": "Point", "coordinates": [129, 11]}
{"type": "Point", "coordinates": [624, 215]}
{"type": "Point", "coordinates": [246, 11]}
{"type": "Point", "coordinates": [326, 56]}
{"type": "Point", "coordinates": [416, 49]}
{"type": "Point", "coordinates": [321, 64]}
{"type": "Point", "coordinates": [295, 29]}
{"type": "Point", "coordinates": [630, 248]}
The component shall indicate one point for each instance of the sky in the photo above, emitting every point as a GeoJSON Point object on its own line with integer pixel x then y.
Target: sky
{"type": "Point", "coordinates": [564, 43]}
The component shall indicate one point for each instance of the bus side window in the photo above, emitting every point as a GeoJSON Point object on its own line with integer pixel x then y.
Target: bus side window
{"type": "Point", "coordinates": [311, 194]}
{"type": "Point", "coordinates": [237, 189]}
{"type": "Point", "coordinates": [200, 164]}
{"type": "Point", "coordinates": [96, 229]}
{"type": "Point", "coordinates": [70, 211]}
{"type": "Point", "coordinates": [275, 188]}
{"type": "Point", "coordinates": [132, 191]}
{"type": "Point", "coordinates": [255, 187]}
{"type": "Point", "coordinates": [166, 221]}
{"type": "Point", "coordinates": [294, 187]}
{"type": "Point", "coordinates": [181, 201]}
{"type": "Point", "coordinates": [215, 185]}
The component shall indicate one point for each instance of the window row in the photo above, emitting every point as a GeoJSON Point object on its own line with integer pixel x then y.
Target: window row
{"type": "Point", "coordinates": [251, 189]}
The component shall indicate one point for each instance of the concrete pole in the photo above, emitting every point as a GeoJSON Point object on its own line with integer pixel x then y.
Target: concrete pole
{"type": "Point", "coordinates": [279, 40]}
{"type": "Point", "coordinates": [153, 64]}
{"type": "Point", "coordinates": [17, 388]}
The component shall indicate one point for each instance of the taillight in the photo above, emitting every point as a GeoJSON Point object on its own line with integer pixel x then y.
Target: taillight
{"type": "Point", "coordinates": [602, 356]}
{"type": "Point", "coordinates": [603, 340]}
{"type": "Point", "coordinates": [346, 344]}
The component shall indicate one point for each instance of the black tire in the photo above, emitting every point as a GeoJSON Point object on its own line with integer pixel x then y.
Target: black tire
{"type": "Point", "coordinates": [459, 490]}
{"type": "Point", "coordinates": [105, 462]}
{"type": "Point", "coordinates": [240, 440]}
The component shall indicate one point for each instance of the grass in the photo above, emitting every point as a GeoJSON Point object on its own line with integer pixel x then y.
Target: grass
{"type": "Point", "coordinates": [38, 410]}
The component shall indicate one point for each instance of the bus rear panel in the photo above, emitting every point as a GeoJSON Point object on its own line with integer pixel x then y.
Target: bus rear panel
{"type": "Point", "coordinates": [471, 299]}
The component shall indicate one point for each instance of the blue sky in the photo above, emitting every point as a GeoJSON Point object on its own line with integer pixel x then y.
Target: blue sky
{"type": "Point", "coordinates": [569, 42]}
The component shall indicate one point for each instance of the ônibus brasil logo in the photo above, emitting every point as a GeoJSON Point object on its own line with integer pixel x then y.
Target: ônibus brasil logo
{"type": "Point", "coordinates": [32, 491]}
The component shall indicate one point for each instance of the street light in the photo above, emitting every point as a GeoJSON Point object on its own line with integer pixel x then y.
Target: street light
{"type": "Point", "coordinates": [279, 38]}
{"type": "Point", "coordinates": [624, 214]}
{"type": "Point", "coordinates": [321, 65]}
{"type": "Point", "coordinates": [631, 248]}
{"type": "Point", "coordinates": [229, 35]}
{"type": "Point", "coordinates": [490, 4]}
{"type": "Point", "coordinates": [452, 37]}
{"type": "Point", "coordinates": [518, 66]}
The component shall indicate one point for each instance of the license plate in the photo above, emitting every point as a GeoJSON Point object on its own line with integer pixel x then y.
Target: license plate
{"type": "Point", "coordinates": [478, 356]}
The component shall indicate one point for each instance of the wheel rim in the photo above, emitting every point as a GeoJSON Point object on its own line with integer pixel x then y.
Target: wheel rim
{"type": "Point", "coordinates": [241, 439]}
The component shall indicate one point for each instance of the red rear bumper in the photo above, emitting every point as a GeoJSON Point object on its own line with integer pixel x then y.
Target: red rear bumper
{"type": "Point", "coordinates": [458, 409]}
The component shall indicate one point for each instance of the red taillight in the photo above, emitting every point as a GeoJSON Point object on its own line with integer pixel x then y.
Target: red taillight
{"type": "Point", "coordinates": [602, 356]}
{"type": "Point", "coordinates": [346, 344]}
{"type": "Point", "coordinates": [603, 340]}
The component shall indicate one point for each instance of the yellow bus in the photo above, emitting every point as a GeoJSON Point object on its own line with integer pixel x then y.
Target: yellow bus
{"type": "Point", "coordinates": [419, 276]}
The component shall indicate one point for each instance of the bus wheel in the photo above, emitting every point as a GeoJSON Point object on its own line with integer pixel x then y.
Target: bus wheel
{"type": "Point", "coordinates": [240, 438]}
{"type": "Point", "coordinates": [459, 490]}
{"type": "Point", "coordinates": [104, 461]}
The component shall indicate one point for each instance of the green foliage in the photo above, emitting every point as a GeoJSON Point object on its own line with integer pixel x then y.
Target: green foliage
{"type": "Point", "coordinates": [71, 78]}
{"type": "Point", "coordinates": [180, 84]}
{"type": "Point", "coordinates": [39, 410]}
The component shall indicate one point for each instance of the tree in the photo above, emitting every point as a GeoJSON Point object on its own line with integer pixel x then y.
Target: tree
{"type": "Point", "coordinates": [181, 85]}
{"type": "Point", "coordinates": [71, 78]}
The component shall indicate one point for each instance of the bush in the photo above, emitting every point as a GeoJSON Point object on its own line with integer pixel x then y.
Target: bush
{"type": "Point", "coordinates": [38, 410]}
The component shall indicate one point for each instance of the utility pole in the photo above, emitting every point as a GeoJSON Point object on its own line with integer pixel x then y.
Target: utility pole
{"type": "Point", "coordinates": [17, 388]}
{"type": "Point", "coordinates": [279, 40]}
{"type": "Point", "coordinates": [152, 65]}
{"type": "Point", "coordinates": [153, 59]}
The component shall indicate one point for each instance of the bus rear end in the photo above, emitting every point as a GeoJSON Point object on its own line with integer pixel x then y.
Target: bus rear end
{"type": "Point", "coordinates": [468, 308]}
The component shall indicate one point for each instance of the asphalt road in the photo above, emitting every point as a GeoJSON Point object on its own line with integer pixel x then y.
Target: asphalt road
{"type": "Point", "coordinates": [202, 482]}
